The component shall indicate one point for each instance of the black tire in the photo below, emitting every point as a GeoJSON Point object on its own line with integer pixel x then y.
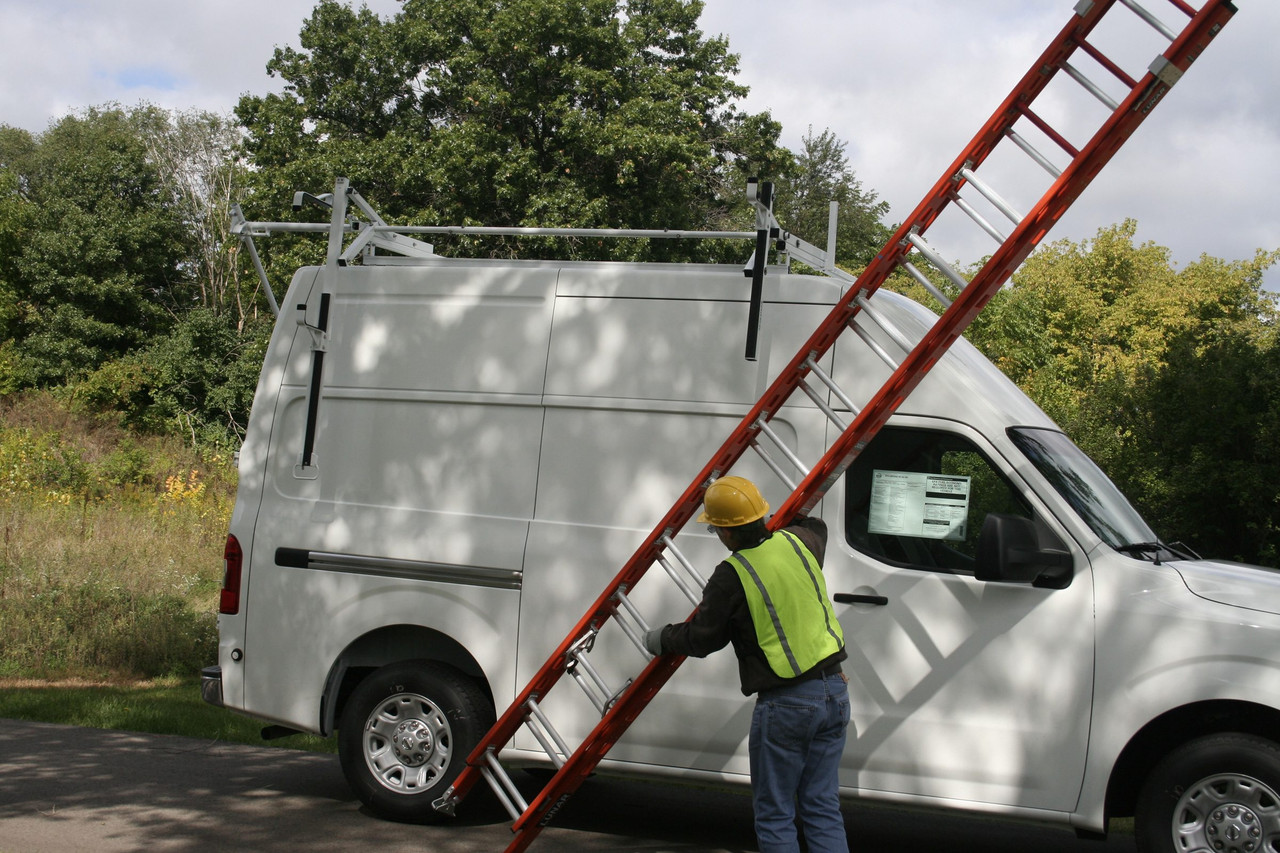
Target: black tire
{"type": "Point", "coordinates": [1216, 793]}
{"type": "Point", "coordinates": [405, 735]}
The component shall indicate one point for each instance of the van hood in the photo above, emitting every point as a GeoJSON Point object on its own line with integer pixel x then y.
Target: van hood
{"type": "Point", "coordinates": [1236, 584]}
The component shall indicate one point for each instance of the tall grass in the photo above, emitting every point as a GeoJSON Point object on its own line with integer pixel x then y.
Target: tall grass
{"type": "Point", "coordinates": [112, 547]}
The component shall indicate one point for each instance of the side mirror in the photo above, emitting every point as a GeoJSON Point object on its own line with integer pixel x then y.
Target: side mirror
{"type": "Point", "coordinates": [1011, 549]}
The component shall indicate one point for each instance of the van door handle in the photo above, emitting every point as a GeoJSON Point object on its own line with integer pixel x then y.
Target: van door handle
{"type": "Point", "coordinates": [850, 598]}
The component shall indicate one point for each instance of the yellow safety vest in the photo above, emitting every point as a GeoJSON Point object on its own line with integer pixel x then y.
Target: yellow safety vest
{"type": "Point", "coordinates": [787, 595]}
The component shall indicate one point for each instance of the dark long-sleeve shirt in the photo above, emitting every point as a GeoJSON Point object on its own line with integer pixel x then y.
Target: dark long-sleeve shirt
{"type": "Point", "coordinates": [724, 617]}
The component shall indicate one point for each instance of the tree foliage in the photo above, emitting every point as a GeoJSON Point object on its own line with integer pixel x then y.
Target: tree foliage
{"type": "Point", "coordinates": [97, 262]}
{"type": "Point", "coordinates": [1167, 378]}
{"type": "Point", "coordinates": [114, 259]}
{"type": "Point", "coordinates": [820, 175]}
{"type": "Point", "coordinates": [120, 280]}
{"type": "Point", "coordinates": [614, 113]}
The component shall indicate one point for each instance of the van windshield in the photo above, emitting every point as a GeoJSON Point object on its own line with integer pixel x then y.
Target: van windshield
{"type": "Point", "coordinates": [1081, 482]}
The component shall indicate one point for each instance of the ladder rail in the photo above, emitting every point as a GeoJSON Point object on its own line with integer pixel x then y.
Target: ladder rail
{"type": "Point", "coordinates": [1065, 189]}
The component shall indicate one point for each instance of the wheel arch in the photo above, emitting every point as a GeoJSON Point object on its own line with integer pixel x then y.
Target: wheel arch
{"type": "Point", "coordinates": [387, 645]}
{"type": "Point", "coordinates": [1173, 728]}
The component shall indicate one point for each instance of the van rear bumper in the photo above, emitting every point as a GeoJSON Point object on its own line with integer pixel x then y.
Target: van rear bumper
{"type": "Point", "coordinates": [211, 685]}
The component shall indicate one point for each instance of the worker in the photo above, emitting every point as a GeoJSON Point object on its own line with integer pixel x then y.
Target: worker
{"type": "Point", "coordinates": [769, 599]}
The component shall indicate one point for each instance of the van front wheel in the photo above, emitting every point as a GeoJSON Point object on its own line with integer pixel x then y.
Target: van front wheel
{"type": "Point", "coordinates": [405, 735]}
{"type": "Point", "coordinates": [1220, 792]}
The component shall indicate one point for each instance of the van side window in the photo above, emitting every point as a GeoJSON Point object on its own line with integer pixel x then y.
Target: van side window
{"type": "Point", "coordinates": [918, 498]}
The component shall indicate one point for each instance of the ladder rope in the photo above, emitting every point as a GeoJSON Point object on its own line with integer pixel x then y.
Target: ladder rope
{"type": "Point", "coordinates": [1048, 131]}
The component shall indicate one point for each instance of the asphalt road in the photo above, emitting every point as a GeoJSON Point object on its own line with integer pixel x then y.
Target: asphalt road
{"type": "Point", "coordinates": [68, 788]}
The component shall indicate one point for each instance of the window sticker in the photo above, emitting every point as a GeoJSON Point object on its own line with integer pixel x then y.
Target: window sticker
{"type": "Point", "coordinates": [930, 506]}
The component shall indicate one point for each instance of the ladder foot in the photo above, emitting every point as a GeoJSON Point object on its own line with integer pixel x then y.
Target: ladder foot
{"type": "Point", "coordinates": [446, 805]}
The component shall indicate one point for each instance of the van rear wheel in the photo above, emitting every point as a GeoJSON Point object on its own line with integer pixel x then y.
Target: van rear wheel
{"type": "Point", "coordinates": [405, 735]}
{"type": "Point", "coordinates": [1219, 793]}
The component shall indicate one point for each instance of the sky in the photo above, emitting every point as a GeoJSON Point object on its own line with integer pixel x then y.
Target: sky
{"type": "Point", "coordinates": [904, 85]}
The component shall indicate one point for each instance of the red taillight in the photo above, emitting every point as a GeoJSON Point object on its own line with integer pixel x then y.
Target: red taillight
{"type": "Point", "coordinates": [232, 562]}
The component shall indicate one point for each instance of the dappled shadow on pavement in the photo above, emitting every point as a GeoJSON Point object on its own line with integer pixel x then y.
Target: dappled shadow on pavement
{"type": "Point", "coordinates": [63, 787]}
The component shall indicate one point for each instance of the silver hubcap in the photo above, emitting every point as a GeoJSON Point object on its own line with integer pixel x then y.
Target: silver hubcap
{"type": "Point", "coordinates": [1230, 813]}
{"type": "Point", "coordinates": [407, 743]}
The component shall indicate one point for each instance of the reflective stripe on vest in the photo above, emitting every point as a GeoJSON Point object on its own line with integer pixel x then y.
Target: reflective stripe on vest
{"type": "Point", "coordinates": [787, 595]}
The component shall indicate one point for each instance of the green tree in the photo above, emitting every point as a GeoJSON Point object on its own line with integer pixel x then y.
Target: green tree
{"type": "Point", "coordinates": [196, 155]}
{"type": "Point", "coordinates": [16, 146]}
{"type": "Point", "coordinates": [820, 175]}
{"type": "Point", "coordinates": [99, 258]}
{"type": "Point", "coordinates": [118, 275]}
{"type": "Point", "coordinates": [1111, 341]}
{"type": "Point", "coordinates": [615, 113]}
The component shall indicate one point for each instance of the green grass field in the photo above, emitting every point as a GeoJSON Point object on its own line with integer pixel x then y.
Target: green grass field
{"type": "Point", "coordinates": [170, 706]}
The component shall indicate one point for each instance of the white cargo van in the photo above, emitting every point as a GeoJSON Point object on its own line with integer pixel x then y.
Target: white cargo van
{"type": "Point", "coordinates": [493, 439]}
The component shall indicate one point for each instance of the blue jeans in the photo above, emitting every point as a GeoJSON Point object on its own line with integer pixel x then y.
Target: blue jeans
{"type": "Point", "coordinates": [797, 738]}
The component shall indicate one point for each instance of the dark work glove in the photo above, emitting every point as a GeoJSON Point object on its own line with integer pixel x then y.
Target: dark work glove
{"type": "Point", "coordinates": [653, 641]}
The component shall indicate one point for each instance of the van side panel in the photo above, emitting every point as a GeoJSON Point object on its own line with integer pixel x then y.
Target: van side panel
{"type": "Point", "coordinates": [644, 383]}
{"type": "Point", "coordinates": [427, 443]}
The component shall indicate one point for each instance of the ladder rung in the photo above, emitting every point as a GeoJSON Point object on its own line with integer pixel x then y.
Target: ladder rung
{"type": "Point", "coordinates": [693, 597]}
{"type": "Point", "coordinates": [684, 561]}
{"type": "Point", "coordinates": [1048, 131]}
{"type": "Point", "coordinates": [822, 404]}
{"type": "Point", "coordinates": [544, 730]}
{"type": "Point", "coordinates": [888, 328]}
{"type": "Point", "coordinates": [596, 688]}
{"type": "Point", "coordinates": [763, 426]}
{"type": "Point", "coordinates": [1092, 88]}
{"type": "Point", "coordinates": [1031, 151]}
{"type": "Point", "coordinates": [503, 787]}
{"type": "Point", "coordinates": [830, 383]}
{"type": "Point", "coordinates": [991, 195]}
{"type": "Point", "coordinates": [636, 637]}
{"type": "Point", "coordinates": [1151, 19]}
{"type": "Point", "coordinates": [978, 218]}
{"type": "Point", "coordinates": [875, 347]}
{"type": "Point", "coordinates": [934, 258]}
{"type": "Point", "coordinates": [773, 465]}
{"type": "Point", "coordinates": [1105, 61]}
{"type": "Point", "coordinates": [926, 284]}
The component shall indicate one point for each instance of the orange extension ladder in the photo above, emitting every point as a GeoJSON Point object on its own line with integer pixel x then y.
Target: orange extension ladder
{"type": "Point", "coordinates": [1016, 121]}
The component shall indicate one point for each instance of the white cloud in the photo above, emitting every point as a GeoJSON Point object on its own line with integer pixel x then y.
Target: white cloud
{"type": "Point", "coordinates": [907, 85]}
{"type": "Point", "coordinates": [904, 84]}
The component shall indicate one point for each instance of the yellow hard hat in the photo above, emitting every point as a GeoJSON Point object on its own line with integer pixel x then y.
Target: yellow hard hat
{"type": "Point", "coordinates": [732, 501]}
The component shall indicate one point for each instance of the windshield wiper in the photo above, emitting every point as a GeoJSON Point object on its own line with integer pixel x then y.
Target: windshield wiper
{"type": "Point", "coordinates": [1154, 548]}
{"type": "Point", "coordinates": [1139, 549]}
